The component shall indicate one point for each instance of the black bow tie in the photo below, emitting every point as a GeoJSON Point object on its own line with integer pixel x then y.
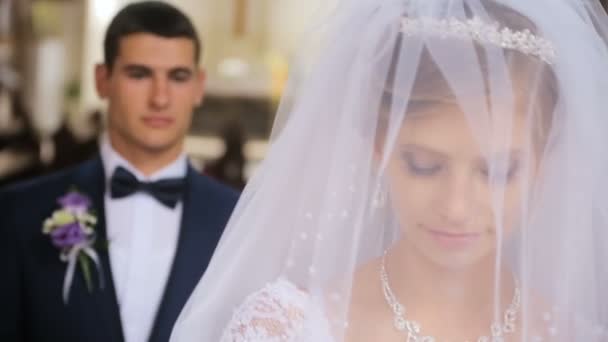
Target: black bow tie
{"type": "Point", "coordinates": [167, 191]}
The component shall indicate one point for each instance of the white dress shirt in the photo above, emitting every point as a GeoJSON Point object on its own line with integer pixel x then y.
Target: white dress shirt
{"type": "Point", "coordinates": [142, 236]}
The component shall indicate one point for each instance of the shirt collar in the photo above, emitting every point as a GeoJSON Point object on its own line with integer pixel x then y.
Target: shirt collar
{"type": "Point", "coordinates": [112, 159]}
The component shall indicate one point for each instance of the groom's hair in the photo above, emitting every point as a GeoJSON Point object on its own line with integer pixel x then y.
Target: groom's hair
{"type": "Point", "coordinates": [154, 17]}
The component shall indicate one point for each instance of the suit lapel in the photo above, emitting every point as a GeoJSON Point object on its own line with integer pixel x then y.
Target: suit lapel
{"type": "Point", "coordinates": [199, 234]}
{"type": "Point", "coordinates": [105, 310]}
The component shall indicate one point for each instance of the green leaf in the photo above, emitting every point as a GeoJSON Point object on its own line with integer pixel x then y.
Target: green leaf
{"type": "Point", "coordinates": [103, 245]}
{"type": "Point", "coordinates": [86, 270]}
{"type": "Point", "coordinates": [89, 219]}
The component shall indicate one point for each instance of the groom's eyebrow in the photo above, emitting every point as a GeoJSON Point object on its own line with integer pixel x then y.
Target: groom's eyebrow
{"type": "Point", "coordinates": [137, 70]}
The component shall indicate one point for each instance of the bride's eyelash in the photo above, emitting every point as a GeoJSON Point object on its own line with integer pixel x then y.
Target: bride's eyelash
{"type": "Point", "coordinates": [420, 168]}
{"type": "Point", "coordinates": [503, 174]}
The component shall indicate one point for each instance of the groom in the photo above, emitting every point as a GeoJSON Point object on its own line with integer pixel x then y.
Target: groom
{"type": "Point", "coordinates": [154, 221]}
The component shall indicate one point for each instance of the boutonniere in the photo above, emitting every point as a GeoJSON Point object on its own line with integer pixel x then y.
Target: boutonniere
{"type": "Point", "coordinates": [72, 231]}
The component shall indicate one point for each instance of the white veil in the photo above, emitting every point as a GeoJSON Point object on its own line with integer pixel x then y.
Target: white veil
{"type": "Point", "coordinates": [433, 148]}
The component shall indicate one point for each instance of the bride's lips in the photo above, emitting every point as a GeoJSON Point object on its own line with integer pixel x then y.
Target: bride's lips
{"type": "Point", "coordinates": [451, 239]}
{"type": "Point", "coordinates": [157, 121]}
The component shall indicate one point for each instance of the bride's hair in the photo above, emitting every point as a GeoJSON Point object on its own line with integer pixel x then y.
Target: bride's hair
{"type": "Point", "coordinates": [533, 80]}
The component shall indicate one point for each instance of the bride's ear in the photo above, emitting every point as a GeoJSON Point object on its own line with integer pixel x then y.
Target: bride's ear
{"type": "Point", "coordinates": [381, 154]}
{"type": "Point", "coordinates": [379, 160]}
{"type": "Point", "coordinates": [377, 156]}
{"type": "Point", "coordinates": [379, 145]}
{"type": "Point", "coordinates": [537, 173]}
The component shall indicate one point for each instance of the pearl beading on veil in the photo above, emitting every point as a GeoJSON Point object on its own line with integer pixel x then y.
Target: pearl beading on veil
{"type": "Point", "coordinates": [478, 30]}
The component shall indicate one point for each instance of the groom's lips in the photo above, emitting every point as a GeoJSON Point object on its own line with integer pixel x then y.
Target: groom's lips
{"type": "Point", "coordinates": [158, 121]}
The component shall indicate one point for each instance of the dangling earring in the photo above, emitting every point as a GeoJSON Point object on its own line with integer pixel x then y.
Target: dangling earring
{"type": "Point", "coordinates": [379, 197]}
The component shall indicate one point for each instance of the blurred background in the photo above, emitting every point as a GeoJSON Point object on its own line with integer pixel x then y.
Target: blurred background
{"type": "Point", "coordinates": [51, 117]}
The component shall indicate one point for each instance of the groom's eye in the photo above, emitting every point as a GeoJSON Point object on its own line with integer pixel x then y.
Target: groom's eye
{"type": "Point", "coordinates": [137, 72]}
{"type": "Point", "coordinates": [180, 75]}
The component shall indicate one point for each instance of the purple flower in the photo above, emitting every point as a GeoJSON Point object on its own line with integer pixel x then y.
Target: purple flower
{"type": "Point", "coordinates": [75, 202]}
{"type": "Point", "coordinates": [68, 235]}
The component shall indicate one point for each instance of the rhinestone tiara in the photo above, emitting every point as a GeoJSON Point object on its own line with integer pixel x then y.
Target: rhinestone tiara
{"type": "Point", "coordinates": [481, 32]}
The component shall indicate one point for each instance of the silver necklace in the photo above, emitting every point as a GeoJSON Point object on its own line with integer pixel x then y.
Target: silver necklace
{"type": "Point", "coordinates": [412, 328]}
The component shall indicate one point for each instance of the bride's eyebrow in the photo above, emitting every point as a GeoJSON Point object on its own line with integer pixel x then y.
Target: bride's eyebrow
{"type": "Point", "coordinates": [509, 156]}
{"type": "Point", "coordinates": [425, 150]}
{"type": "Point", "coordinates": [420, 108]}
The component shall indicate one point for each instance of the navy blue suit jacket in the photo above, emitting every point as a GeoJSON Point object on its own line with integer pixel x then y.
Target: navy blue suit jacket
{"type": "Point", "coordinates": [31, 305]}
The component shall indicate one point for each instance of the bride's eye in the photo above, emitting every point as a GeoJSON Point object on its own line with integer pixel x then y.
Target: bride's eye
{"type": "Point", "coordinates": [421, 166]}
{"type": "Point", "coordinates": [502, 174]}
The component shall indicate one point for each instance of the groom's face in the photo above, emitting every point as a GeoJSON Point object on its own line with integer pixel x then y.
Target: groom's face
{"type": "Point", "coordinates": [152, 89]}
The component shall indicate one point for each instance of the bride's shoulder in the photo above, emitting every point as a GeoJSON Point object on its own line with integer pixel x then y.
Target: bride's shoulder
{"type": "Point", "coordinates": [273, 313]}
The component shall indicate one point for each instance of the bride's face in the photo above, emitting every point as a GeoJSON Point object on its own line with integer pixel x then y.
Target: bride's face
{"type": "Point", "coordinates": [452, 205]}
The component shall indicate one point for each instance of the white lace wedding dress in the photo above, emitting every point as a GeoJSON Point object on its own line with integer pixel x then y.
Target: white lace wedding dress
{"type": "Point", "coordinates": [281, 312]}
{"type": "Point", "coordinates": [278, 312]}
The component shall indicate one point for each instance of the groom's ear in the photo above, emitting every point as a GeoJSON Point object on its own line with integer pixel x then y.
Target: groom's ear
{"type": "Point", "coordinates": [102, 80]}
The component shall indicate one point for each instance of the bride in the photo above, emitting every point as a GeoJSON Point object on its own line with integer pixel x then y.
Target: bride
{"type": "Point", "coordinates": [438, 174]}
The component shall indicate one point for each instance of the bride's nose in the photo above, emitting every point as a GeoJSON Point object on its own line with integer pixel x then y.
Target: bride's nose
{"type": "Point", "coordinates": [455, 197]}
